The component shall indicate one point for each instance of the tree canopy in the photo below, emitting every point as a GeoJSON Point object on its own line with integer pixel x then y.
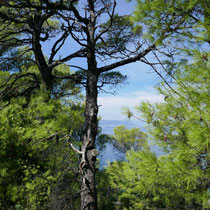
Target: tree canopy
{"type": "Point", "coordinates": [36, 85]}
{"type": "Point", "coordinates": [37, 167]}
{"type": "Point", "coordinates": [180, 126]}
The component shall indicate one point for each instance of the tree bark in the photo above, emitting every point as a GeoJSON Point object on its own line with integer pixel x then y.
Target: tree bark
{"type": "Point", "coordinates": [45, 70]}
{"type": "Point", "coordinates": [89, 153]}
{"type": "Point", "coordinates": [87, 165]}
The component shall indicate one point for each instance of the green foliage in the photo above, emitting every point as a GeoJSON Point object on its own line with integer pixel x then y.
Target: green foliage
{"type": "Point", "coordinates": [180, 125]}
{"type": "Point", "coordinates": [176, 19]}
{"type": "Point", "coordinates": [34, 151]}
{"type": "Point", "coordinates": [37, 169]}
{"type": "Point", "coordinates": [64, 87]}
{"type": "Point", "coordinates": [125, 139]}
{"type": "Point", "coordinates": [107, 196]}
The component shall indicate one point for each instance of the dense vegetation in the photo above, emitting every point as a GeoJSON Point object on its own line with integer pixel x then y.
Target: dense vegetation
{"type": "Point", "coordinates": [38, 169]}
{"type": "Point", "coordinates": [179, 179]}
{"type": "Point", "coordinates": [44, 119]}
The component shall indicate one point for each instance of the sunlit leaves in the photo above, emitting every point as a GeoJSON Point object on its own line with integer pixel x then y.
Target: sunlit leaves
{"type": "Point", "coordinates": [180, 125]}
{"type": "Point", "coordinates": [34, 142]}
{"type": "Point", "coordinates": [163, 18]}
{"type": "Point", "coordinates": [125, 139]}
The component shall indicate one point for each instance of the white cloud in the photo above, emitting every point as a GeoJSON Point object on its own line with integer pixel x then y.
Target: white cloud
{"type": "Point", "coordinates": [111, 106]}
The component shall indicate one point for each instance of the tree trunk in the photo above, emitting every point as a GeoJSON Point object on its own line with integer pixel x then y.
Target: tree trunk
{"type": "Point", "coordinates": [45, 70]}
{"type": "Point", "coordinates": [89, 153]}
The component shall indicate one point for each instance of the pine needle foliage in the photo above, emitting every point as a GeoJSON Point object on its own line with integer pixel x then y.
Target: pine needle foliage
{"type": "Point", "coordinates": [179, 179]}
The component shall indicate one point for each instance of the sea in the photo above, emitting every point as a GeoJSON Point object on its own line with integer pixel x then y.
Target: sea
{"type": "Point", "coordinates": [110, 154]}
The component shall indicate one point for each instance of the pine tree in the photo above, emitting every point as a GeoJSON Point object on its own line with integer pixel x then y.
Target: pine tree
{"type": "Point", "coordinates": [180, 126]}
{"type": "Point", "coordinates": [100, 35]}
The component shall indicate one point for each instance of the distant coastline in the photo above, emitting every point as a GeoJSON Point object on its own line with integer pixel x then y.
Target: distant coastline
{"type": "Point", "coordinates": [109, 125]}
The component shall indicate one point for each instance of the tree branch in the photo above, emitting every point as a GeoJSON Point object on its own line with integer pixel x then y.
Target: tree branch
{"type": "Point", "coordinates": [80, 53]}
{"type": "Point", "coordinates": [54, 50]}
{"type": "Point", "coordinates": [110, 25]}
{"type": "Point", "coordinates": [128, 60]}
{"type": "Point", "coordinates": [75, 149]}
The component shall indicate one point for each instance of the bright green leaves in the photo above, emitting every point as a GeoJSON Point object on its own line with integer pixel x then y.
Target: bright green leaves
{"type": "Point", "coordinates": [144, 181]}
{"type": "Point", "coordinates": [38, 189]}
{"type": "Point", "coordinates": [180, 126]}
{"type": "Point", "coordinates": [34, 150]}
{"type": "Point", "coordinates": [125, 139]}
{"type": "Point", "coordinates": [134, 178]}
{"type": "Point", "coordinates": [61, 70]}
{"type": "Point", "coordinates": [175, 19]}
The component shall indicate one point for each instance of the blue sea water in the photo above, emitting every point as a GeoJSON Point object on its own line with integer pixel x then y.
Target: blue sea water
{"type": "Point", "coordinates": [110, 153]}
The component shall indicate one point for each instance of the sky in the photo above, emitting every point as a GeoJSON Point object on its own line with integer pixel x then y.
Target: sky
{"type": "Point", "coordinates": [139, 86]}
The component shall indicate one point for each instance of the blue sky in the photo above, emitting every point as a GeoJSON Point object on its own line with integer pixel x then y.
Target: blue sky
{"type": "Point", "coordinates": [140, 85]}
